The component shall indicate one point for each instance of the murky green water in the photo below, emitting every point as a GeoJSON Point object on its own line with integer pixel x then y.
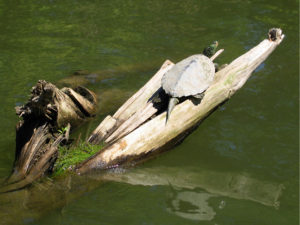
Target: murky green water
{"type": "Point", "coordinates": [239, 167]}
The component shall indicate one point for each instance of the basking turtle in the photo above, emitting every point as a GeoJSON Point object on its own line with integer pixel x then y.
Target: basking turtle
{"type": "Point", "coordinates": [189, 77]}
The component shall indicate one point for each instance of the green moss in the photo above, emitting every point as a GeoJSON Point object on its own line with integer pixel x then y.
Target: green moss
{"type": "Point", "coordinates": [233, 76]}
{"type": "Point", "coordinates": [230, 79]}
{"type": "Point", "coordinates": [68, 157]}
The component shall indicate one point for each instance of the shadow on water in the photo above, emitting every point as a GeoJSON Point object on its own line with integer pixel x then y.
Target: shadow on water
{"type": "Point", "coordinates": [190, 189]}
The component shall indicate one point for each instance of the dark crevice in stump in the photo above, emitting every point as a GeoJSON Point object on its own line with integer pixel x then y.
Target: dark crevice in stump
{"type": "Point", "coordinates": [37, 133]}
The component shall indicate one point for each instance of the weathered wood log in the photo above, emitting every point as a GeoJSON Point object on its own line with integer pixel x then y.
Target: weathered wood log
{"type": "Point", "coordinates": [155, 135]}
{"type": "Point", "coordinates": [48, 113]}
{"type": "Point", "coordinates": [136, 110]}
{"type": "Point", "coordinates": [44, 157]}
{"type": "Point", "coordinates": [157, 102]}
{"type": "Point", "coordinates": [130, 107]}
{"type": "Point", "coordinates": [58, 107]}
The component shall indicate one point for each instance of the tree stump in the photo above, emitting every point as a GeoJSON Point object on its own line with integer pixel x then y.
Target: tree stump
{"type": "Point", "coordinates": [46, 121]}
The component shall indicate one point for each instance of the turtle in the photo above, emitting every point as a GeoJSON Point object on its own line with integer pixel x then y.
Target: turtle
{"type": "Point", "coordinates": [189, 77]}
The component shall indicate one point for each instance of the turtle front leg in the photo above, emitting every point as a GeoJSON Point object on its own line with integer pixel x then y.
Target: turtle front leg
{"type": "Point", "coordinates": [218, 67]}
{"type": "Point", "coordinates": [172, 103]}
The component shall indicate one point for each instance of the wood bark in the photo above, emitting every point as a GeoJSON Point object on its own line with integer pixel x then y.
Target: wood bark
{"type": "Point", "coordinates": [155, 135]}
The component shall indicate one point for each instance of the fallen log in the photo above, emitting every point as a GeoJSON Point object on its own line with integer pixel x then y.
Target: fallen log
{"type": "Point", "coordinates": [136, 110]}
{"type": "Point", "coordinates": [129, 108]}
{"type": "Point", "coordinates": [154, 135]}
{"type": "Point", "coordinates": [46, 121]}
{"type": "Point", "coordinates": [156, 103]}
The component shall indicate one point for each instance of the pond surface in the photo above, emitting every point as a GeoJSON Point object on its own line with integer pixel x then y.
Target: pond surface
{"type": "Point", "coordinates": [239, 167]}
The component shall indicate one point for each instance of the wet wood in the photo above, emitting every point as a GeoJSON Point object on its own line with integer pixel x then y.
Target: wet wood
{"type": "Point", "coordinates": [154, 135]}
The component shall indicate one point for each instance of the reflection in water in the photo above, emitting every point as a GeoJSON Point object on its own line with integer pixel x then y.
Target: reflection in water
{"type": "Point", "coordinates": [188, 202]}
{"type": "Point", "coordinates": [234, 185]}
{"type": "Point", "coordinates": [192, 205]}
{"type": "Point", "coordinates": [185, 199]}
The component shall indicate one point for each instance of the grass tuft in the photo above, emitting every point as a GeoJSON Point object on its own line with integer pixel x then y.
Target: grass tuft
{"type": "Point", "coordinates": [69, 157]}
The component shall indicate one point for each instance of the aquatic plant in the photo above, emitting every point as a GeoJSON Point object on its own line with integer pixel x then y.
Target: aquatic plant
{"type": "Point", "coordinates": [69, 156]}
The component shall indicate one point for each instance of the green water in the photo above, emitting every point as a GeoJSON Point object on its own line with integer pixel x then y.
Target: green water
{"type": "Point", "coordinates": [239, 167]}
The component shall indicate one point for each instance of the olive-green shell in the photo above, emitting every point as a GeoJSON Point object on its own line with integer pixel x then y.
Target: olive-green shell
{"type": "Point", "coordinates": [190, 76]}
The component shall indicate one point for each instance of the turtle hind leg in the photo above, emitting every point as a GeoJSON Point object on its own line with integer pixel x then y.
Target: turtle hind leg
{"type": "Point", "coordinates": [172, 103]}
{"type": "Point", "coordinates": [196, 99]}
{"type": "Point", "coordinates": [218, 67]}
{"type": "Point", "coordinates": [199, 96]}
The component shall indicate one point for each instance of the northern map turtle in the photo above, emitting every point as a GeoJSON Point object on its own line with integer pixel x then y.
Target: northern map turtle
{"type": "Point", "coordinates": [189, 77]}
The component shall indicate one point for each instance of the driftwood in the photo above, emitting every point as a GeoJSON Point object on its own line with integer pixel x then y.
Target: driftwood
{"type": "Point", "coordinates": [153, 135]}
{"type": "Point", "coordinates": [47, 118]}
{"type": "Point", "coordinates": [136, 110]}
{"type": "Point", "coordinates": [37, 142]}
{"type": "Point", "coordinates": [134, 133]}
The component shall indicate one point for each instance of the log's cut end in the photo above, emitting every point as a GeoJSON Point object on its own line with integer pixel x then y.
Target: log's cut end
{"type": "Point", "coordinates": [275, 34]}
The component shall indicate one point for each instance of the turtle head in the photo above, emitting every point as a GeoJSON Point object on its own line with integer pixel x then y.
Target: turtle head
{"type": "Point", "coordinates": [211, 49]}
{"type": "Point", "coordinates": [214, 45]}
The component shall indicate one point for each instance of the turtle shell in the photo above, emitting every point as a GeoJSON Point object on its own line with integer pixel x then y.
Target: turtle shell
{"type": "Point", "coordinates": [190, 76]}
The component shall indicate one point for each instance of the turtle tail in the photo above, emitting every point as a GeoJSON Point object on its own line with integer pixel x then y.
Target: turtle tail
{"type": "Point", "coordinates": [172, 103]}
